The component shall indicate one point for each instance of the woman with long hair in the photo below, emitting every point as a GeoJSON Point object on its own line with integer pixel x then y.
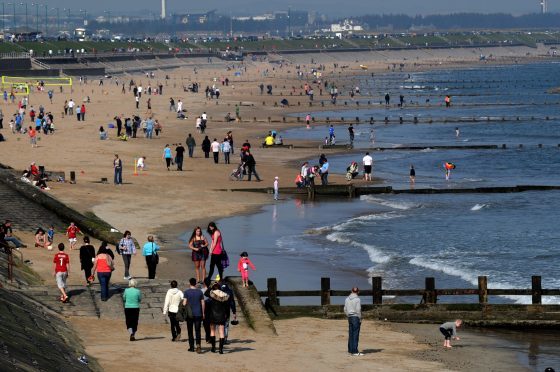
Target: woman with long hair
{"type": "Point", "coordinates": [216, 250]}
{"type": "Point", "coordinates": [103, 265]}
{"type": "Point", "coordinates": [199, 246]}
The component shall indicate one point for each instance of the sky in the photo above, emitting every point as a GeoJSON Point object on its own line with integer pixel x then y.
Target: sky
{"type": "Point", "coordinates": [330, 7]}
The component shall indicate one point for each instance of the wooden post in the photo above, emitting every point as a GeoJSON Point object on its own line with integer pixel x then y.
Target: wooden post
{"type": "Point", "coordinates": [272, 288]}
{"type": "Point", "coordinates": [431, 297]}
{"type": "Point", "coordinates": [482, 289]}
{"type": "Point", "coordinates": [536, 289]}
{"type": "Point", "coordinates": [325, 291]}
{"type": "Point", "coordinates": [377, 289]}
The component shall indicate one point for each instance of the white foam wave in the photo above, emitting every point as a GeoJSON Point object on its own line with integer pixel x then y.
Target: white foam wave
{"type": "Point", "coordinates": [400, 205]}
{"type": "Point", "coordinates": [352, 221]}
{"type": "Point", "coordinates": [375, 255]}
{"type": "Point", "coordinates": [478, 207]}
{"type": "Point", "coordinates": [471, 277]}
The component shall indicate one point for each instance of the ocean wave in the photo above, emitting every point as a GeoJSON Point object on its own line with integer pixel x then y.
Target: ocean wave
{"type": "Point", "coordinates": [374, 253]}
{"type": "Point", "coordinates": [478, 207]}
{"type": "Point", "coordinates": [400, 205]}
{"type": "Point", "coordinates": [471, 277]}
{"type": "Point", "coordinates": [352, 221]}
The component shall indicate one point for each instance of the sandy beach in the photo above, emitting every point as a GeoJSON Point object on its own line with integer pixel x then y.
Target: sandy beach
{"type": "Point", "coordinates": [168, 203]}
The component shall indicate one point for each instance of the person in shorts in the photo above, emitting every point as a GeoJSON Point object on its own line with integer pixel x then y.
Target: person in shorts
{"type": "Point", "coordinates": [61, 268]}
{"type": "Point", "coordinates": [368, 163]}
{"type": "Point", "coordinates": [71, 232]}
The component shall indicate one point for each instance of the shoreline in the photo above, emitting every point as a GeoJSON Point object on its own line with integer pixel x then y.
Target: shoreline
{"type": "Point", "coordinates": [168, 203]}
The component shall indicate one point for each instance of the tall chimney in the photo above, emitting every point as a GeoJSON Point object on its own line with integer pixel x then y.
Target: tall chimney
{"type": "Point", "coordinates": [163, 10]}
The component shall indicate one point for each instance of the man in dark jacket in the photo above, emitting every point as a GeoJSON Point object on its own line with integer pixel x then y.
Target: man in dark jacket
{"type": "Point", "coordinates": [251, 163]}
{"type": "Point", "coordinates": [191, 145]}
{"type": "Point", "coordinates": [232, 308]}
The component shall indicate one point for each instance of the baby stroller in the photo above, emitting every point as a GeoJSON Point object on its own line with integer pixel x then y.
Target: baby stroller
{"type": "Point", "coordinates": [237, 174]}
{"type": "Point", "coordinates": [352, 171]}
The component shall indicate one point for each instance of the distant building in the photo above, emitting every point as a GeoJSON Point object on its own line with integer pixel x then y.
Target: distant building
{"type": "Point", "coordinates": [346, 26]}
{"type": "Point", "coordinates": [200, 18]}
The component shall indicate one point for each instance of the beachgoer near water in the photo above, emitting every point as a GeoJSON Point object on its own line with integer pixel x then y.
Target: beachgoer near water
{"type": "Point", "coordinates": [368, 164]}
{"type": "Point", "coordinates": [331, 134]}
{"type": "Point", "coordinates": [61, 268]}
{"type": "Point", "coordinates": [457, 132]}
{"type": "Point", "coordinates": [353, 310]}
{"type": "Point", "coordinates": [275, 188]}
{"type": "Point", "coordinates": [87, 256]}
{"type": "Point", "coordinates": [412, 175]}
{"type": "Point", "coordinates": [71, 233]}
{"type": "Point", "coordinates": [199, 246]}
{"type": "Point", "coordinates": [216, 250]}
{"type": "Point", "coordinates": [251, 163]}
{"type": "Point", "coordinates": [448, 167]}
{"type": "Point", "coordinates": [218, 312]}
{"type": "Point", "coordinates": [173, 299]}
{"type": "Point", "coordinates": [132, 297]}
{"type": "Point", "coordinates": [449, 331]}
{"type": "Point", "coordinates": [243, 267]}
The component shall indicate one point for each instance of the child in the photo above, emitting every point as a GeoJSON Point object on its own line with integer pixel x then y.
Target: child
{"type": "Point", "coordinates": [243, 267]}
{"type": "Point", "coordinates": [449, 330]}
{"type": "Point", "coordinates": [50, 236]}
{"type": "Point", "coordinates": [71, 233]}
{"type": "Point", "coordinates": [275, 188]}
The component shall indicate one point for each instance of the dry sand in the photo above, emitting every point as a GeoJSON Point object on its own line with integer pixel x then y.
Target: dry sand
{"type": "Point", "coordinates": [170, 202]}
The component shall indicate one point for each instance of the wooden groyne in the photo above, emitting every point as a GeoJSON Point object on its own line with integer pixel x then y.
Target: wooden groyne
{"type": "Point", "coordinates": [426, 308]}
{"type": "Point", "coordinates": [357, 191]}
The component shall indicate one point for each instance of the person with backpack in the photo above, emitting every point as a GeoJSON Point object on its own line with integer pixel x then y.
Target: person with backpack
{"type": "Point", "coordinates": [150, 252]}
{"type": "Point", "coordinates": [219, 310]}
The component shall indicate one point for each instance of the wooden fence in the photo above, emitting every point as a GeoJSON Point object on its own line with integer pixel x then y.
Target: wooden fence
{"type": "Point", "coordinates": [429, 294]}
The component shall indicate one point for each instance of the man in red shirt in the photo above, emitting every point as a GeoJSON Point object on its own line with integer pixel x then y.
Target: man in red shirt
{"type": "Point", "coordinates": [71, 233]}
{"type": "Point", "coordinates": [61, 268]}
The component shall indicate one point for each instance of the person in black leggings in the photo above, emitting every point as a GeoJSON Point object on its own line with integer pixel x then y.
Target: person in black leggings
{"type": "Point", "coordinates": [216, 250]}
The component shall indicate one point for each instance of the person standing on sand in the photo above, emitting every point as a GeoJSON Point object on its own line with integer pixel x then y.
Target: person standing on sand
{"type": "Point", "coordinates": [117, 165]}
{"type": "Point", "coordinates": [150, 252]}
{"type": "Point", "coordinates": [226, 149]}
{"type": "Point", "coordinates": [191, 144]}
{"type": "Point", "coordinates": [104, 266]}
{"type": "Point", "coordinates": [61, 269]}
{"type": "Point", "coordinates": [167, 156]}
{"type": "Point", "coordinates": [199, 247]}
{"type": "Point", "coordinates": [127, 248]}
{"type": "Point", "coordinates": [216, 249]}
{"type": "Point", "coordinates": [353, 310]}
{"type": "Point", "coordinates": [87, 256]}
{"type": "Point", "coordinates": [173, 299]}
{"type": "Point", "coordinates": [195, 299]}
{"type": "Point", "coordinates": [449, 331]}
{"type": "Point", "coordinates": [132, 297]}
{"type": "Point", "coordinates": [251, 164]}
{"type": "Point", "coordinates": [32, 137]}
{"type": "Point", "coordinates": [219, 310]}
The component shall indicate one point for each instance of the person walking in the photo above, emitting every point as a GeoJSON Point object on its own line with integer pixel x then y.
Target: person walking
{"type": "Point", "coordinates": [117, 165]}
{"type": "Point", "coordinates": [127, 249]}
{"type": "Point", "coordinates": [226, 149]}
{"type": "Point", "coordinates": [199, 247]}
{"type": "Point", "coordinates": [251, 163]}
{"type": "Point", "coordinates": [216, 250]}
{"type": "Point", "coordinates": [191, 143]}
{"type": "Point", "coordinates": [215, 146]}
{"type": "Point", "coordinates": [87, 256]}
{"type": "Point", "coordinates": [179, 156]}
{"type": "Point", "coordinates": [195, 299]}
{"type": "Point", "coordinates": [219, 310]}
{"type": "Point", "coordinates": [206, 147]}
{"type": "Point", "coordinates": [132, 298]}
{"type": "Point", "coordinates": [173, 299]}
{"type": "Point", "coordinates": [61, 269]}
{"type": "Point", "coordinates": [353, 310]}
{"type": "Point", "coordinates": [167, 156]}
{"type": "Point", "coordinates": [104, 266]}
{"type": "Point", "coordinates": [150, 252]}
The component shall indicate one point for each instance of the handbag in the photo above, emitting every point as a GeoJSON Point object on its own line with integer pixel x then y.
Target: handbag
{"type": "Point", "coordinates": [155, 256]}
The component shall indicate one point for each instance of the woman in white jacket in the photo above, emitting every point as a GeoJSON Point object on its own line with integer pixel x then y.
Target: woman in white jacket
{"type": "Point", "coordinates": [172, 300]}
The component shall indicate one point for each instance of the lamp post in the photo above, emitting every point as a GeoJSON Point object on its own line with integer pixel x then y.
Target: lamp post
{"type": "Point", "coordinates": [36, 16]}
{"type": "Point", "coordinates": [57, 20]}
{"type": "Point", "coordinates": [108, 16]}
{"type": "Point", "coordinates": [26, 18]}
{"type": "Point", "coordinates": [46, 20]}
{"type": "Point", "coordinates": [84, 22]}
{"type": "Point", "coordinates": [3, 17]}
{"type": "Point", "coordinates": [14, 23]}
{"type": "Point", "coordinates": [67, 23]}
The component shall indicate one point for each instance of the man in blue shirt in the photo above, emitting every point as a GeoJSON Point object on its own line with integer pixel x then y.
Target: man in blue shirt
{"type": "Point", "coordinates": [195, 299]}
